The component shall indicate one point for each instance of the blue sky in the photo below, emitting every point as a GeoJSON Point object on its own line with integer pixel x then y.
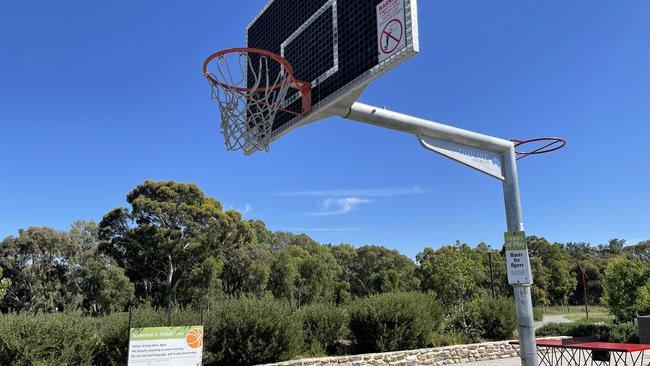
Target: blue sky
{"type": "Point", "coordinates": [96, 97]}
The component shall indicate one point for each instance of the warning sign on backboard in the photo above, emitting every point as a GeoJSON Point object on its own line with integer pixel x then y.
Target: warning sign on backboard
{"type": "Point", "coordinates": [391, 29]}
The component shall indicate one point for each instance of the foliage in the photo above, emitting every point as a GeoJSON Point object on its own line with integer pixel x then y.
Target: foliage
{"type": "Point", "coordinates": [174, 246]}
{"type": "Point", "coordinates": [594, 271]}
{"type": "Point", "coordinates": [47, 339]}
{"type": "Point", "coordinates": [551, 267]}
{"type": "Point", "coordinates": [640, 251]}
{"type": "Point", "coordinates": [451, 272]}
{"type": "Point", "coordinates": [627, 288]}
{"type": "Point", "coordinates": [249, 331]}
{"type": "Point", "coordinates": [495, 319]}
{"type": "Point", "coordinates": [303, 276]}
{"type": "Point", "coordinates": [38, 262]}
{"type": "Point", "coordinates": [55, 271]}
{"type": "Point", "coordinates": [245, 261]}
{"type": "Point", "coordinates": [538, 314]}
{"type": "Point", "coordinates": [323, 325]}
{"type": "Point", "coordinates": [377, 270]}
{"type": "Point", "coordinates": [394, 321]}
{"type": "Point", "coordinates": [617, 333]}
{"type": "Point", "coordinates": [443, 339]}
{"type": "Point", "coordinates": [4, 285]}
{"type": "Point", "coordinates": [163, 237]}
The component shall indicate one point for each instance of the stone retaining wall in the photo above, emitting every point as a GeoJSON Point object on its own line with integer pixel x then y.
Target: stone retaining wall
{"type": "Point", "coordinates": [428, 356]}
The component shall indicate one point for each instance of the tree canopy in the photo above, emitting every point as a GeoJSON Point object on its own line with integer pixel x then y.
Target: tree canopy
{"type": "Point", "coordinates": [172, 244]}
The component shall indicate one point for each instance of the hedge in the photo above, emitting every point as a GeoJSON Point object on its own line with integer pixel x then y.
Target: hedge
{"type": "Point", "coordinates": [394, 321]}
{"type": "Point", "coordinates": [494, 319]}
{"type": "Point", "coordinates": [323, 325]}
{"type": "Point", "coordinates": [250, 331]}
{"type": "Point", "coordinates": [51, 339]}
{"type": "Point", "coordinates": [237, 332]}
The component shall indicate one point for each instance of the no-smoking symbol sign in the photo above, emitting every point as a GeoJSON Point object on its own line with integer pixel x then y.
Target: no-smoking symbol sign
{"type": "Point", "coordinates": [391, 36]}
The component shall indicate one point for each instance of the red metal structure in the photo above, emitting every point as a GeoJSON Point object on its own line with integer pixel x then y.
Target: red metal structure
{"type": "Point", "coordinates": [587, 352]}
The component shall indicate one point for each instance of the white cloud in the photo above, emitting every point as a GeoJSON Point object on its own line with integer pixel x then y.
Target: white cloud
{"type": "Point", "coordinates": [243, 210]}
{"type": "Point", "coordinates": [369, 192]}
{"type": "Point", "coordinates": [339, 206]}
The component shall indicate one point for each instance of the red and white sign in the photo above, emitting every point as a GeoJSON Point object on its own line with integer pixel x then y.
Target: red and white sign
{"type": "Point", "coordinates": [391, 30]}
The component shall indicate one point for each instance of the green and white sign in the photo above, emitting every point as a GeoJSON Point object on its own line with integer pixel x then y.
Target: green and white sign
{"type": "Point", "coordinates": [166, 346]}
{"type": "Point", "coordinates": [517, 261]}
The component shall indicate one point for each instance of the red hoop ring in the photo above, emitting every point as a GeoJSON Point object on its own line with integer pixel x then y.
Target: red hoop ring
{"type": "Point", "coordinates": [277, 58]}
{"type": "Point", "coordinates": [542, 150]}
{"type": "Point", "coordinates": [303, 86]}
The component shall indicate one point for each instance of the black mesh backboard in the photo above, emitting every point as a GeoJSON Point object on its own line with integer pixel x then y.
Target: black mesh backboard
{"type": "Point", "coordinates": [644, 329]}
{"type": "Point", "coordinates": [337, 45]}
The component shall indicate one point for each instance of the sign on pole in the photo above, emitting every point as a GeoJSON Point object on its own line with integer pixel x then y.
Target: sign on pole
{"type": "Point", "coordinates": [166, 346]}
{"type": "Point", "coordinates": [517, 260]}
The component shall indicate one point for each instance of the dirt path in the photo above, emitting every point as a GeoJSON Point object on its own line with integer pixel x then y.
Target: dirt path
{"type": "Point", "coordinates": [552, 319]}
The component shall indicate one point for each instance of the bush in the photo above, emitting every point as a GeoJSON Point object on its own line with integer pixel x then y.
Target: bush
{"type": "Point", "coordinates": [394, 321]}
{"type": "Point", "coordinates": [450, 339]}
{"type": "Point", "coordinates": [495, 319]}
{"type": "Point", "coordinates": [322, 325]}
{"type": "Point", "coordinates": [47, 339]}
{"type": "Point", "coordinates": [538, 314]}
{"type": "Point", "coordinates": [617, 333]}
{"type": "Point", "coordinates": [250, 331]}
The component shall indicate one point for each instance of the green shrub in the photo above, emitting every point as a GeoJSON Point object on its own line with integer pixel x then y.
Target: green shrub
{"type": "Point", "coordinates": [394, 321]}
{"type": "Point", "coordinates": [623, 333]}
{"type": "Point", "coordinates": [458, 320]}
{"type": "Point", "coordinates": [495, 319]}
{"type": "Point", "coordinates": [47, 339]}
{"type": "Point", "coordinates": [450, 339]}
{"type": "Point", "coordinates": [250, 331]}
{"type": "Point", "coordinates": [323, 325]}
{"type": "Point", "coordinates": [114, 335]}
{"type": "Point", "coordinates": [617, 333]}
{"type": "Point", "coordinates": [538, 314]}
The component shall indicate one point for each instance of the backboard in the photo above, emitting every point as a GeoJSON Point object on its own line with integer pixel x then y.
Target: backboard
{"type": "Point", "coordinates": [339, 46]}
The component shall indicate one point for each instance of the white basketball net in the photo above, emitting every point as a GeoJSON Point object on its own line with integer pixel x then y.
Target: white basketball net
{"type": "Point", "coordinates": [249, 91]}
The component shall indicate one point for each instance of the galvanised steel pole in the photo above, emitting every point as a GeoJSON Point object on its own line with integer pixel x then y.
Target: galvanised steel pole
{"type": "Point", "coordinates": [523, 299]}
{"type": "Point", "coordinates": [417, 126]}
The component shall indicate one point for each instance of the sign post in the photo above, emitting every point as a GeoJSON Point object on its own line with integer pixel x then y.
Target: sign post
{"type": "Point", "coordinates": [517, 260]}
{"type": "Point", "coordinates": [166, 346]}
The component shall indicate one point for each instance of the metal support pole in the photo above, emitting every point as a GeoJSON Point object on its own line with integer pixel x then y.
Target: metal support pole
{"type": "Point", "coordinates": [523, 299]}
{"type": "Point", "coordinates": [417, 126]}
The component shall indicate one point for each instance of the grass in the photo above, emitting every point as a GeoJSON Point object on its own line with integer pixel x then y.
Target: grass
{"type": "Point", "coordinates": [568, 310]}
{"type": "Point", "coordinates": [593, 318]}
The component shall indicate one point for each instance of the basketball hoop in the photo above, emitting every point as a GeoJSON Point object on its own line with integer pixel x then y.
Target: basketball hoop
{"type": "Point", "coordinates": [250, 87]}
{"type": "Point", "coordinates": [550, 144]}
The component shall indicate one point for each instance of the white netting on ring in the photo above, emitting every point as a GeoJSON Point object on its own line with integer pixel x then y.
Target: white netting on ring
{"type": "Point", "coordinates": [249, 91]}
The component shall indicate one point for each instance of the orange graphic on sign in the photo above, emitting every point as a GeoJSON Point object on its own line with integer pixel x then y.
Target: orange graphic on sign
{"type": "Point", "coordinates": [194, 338]}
